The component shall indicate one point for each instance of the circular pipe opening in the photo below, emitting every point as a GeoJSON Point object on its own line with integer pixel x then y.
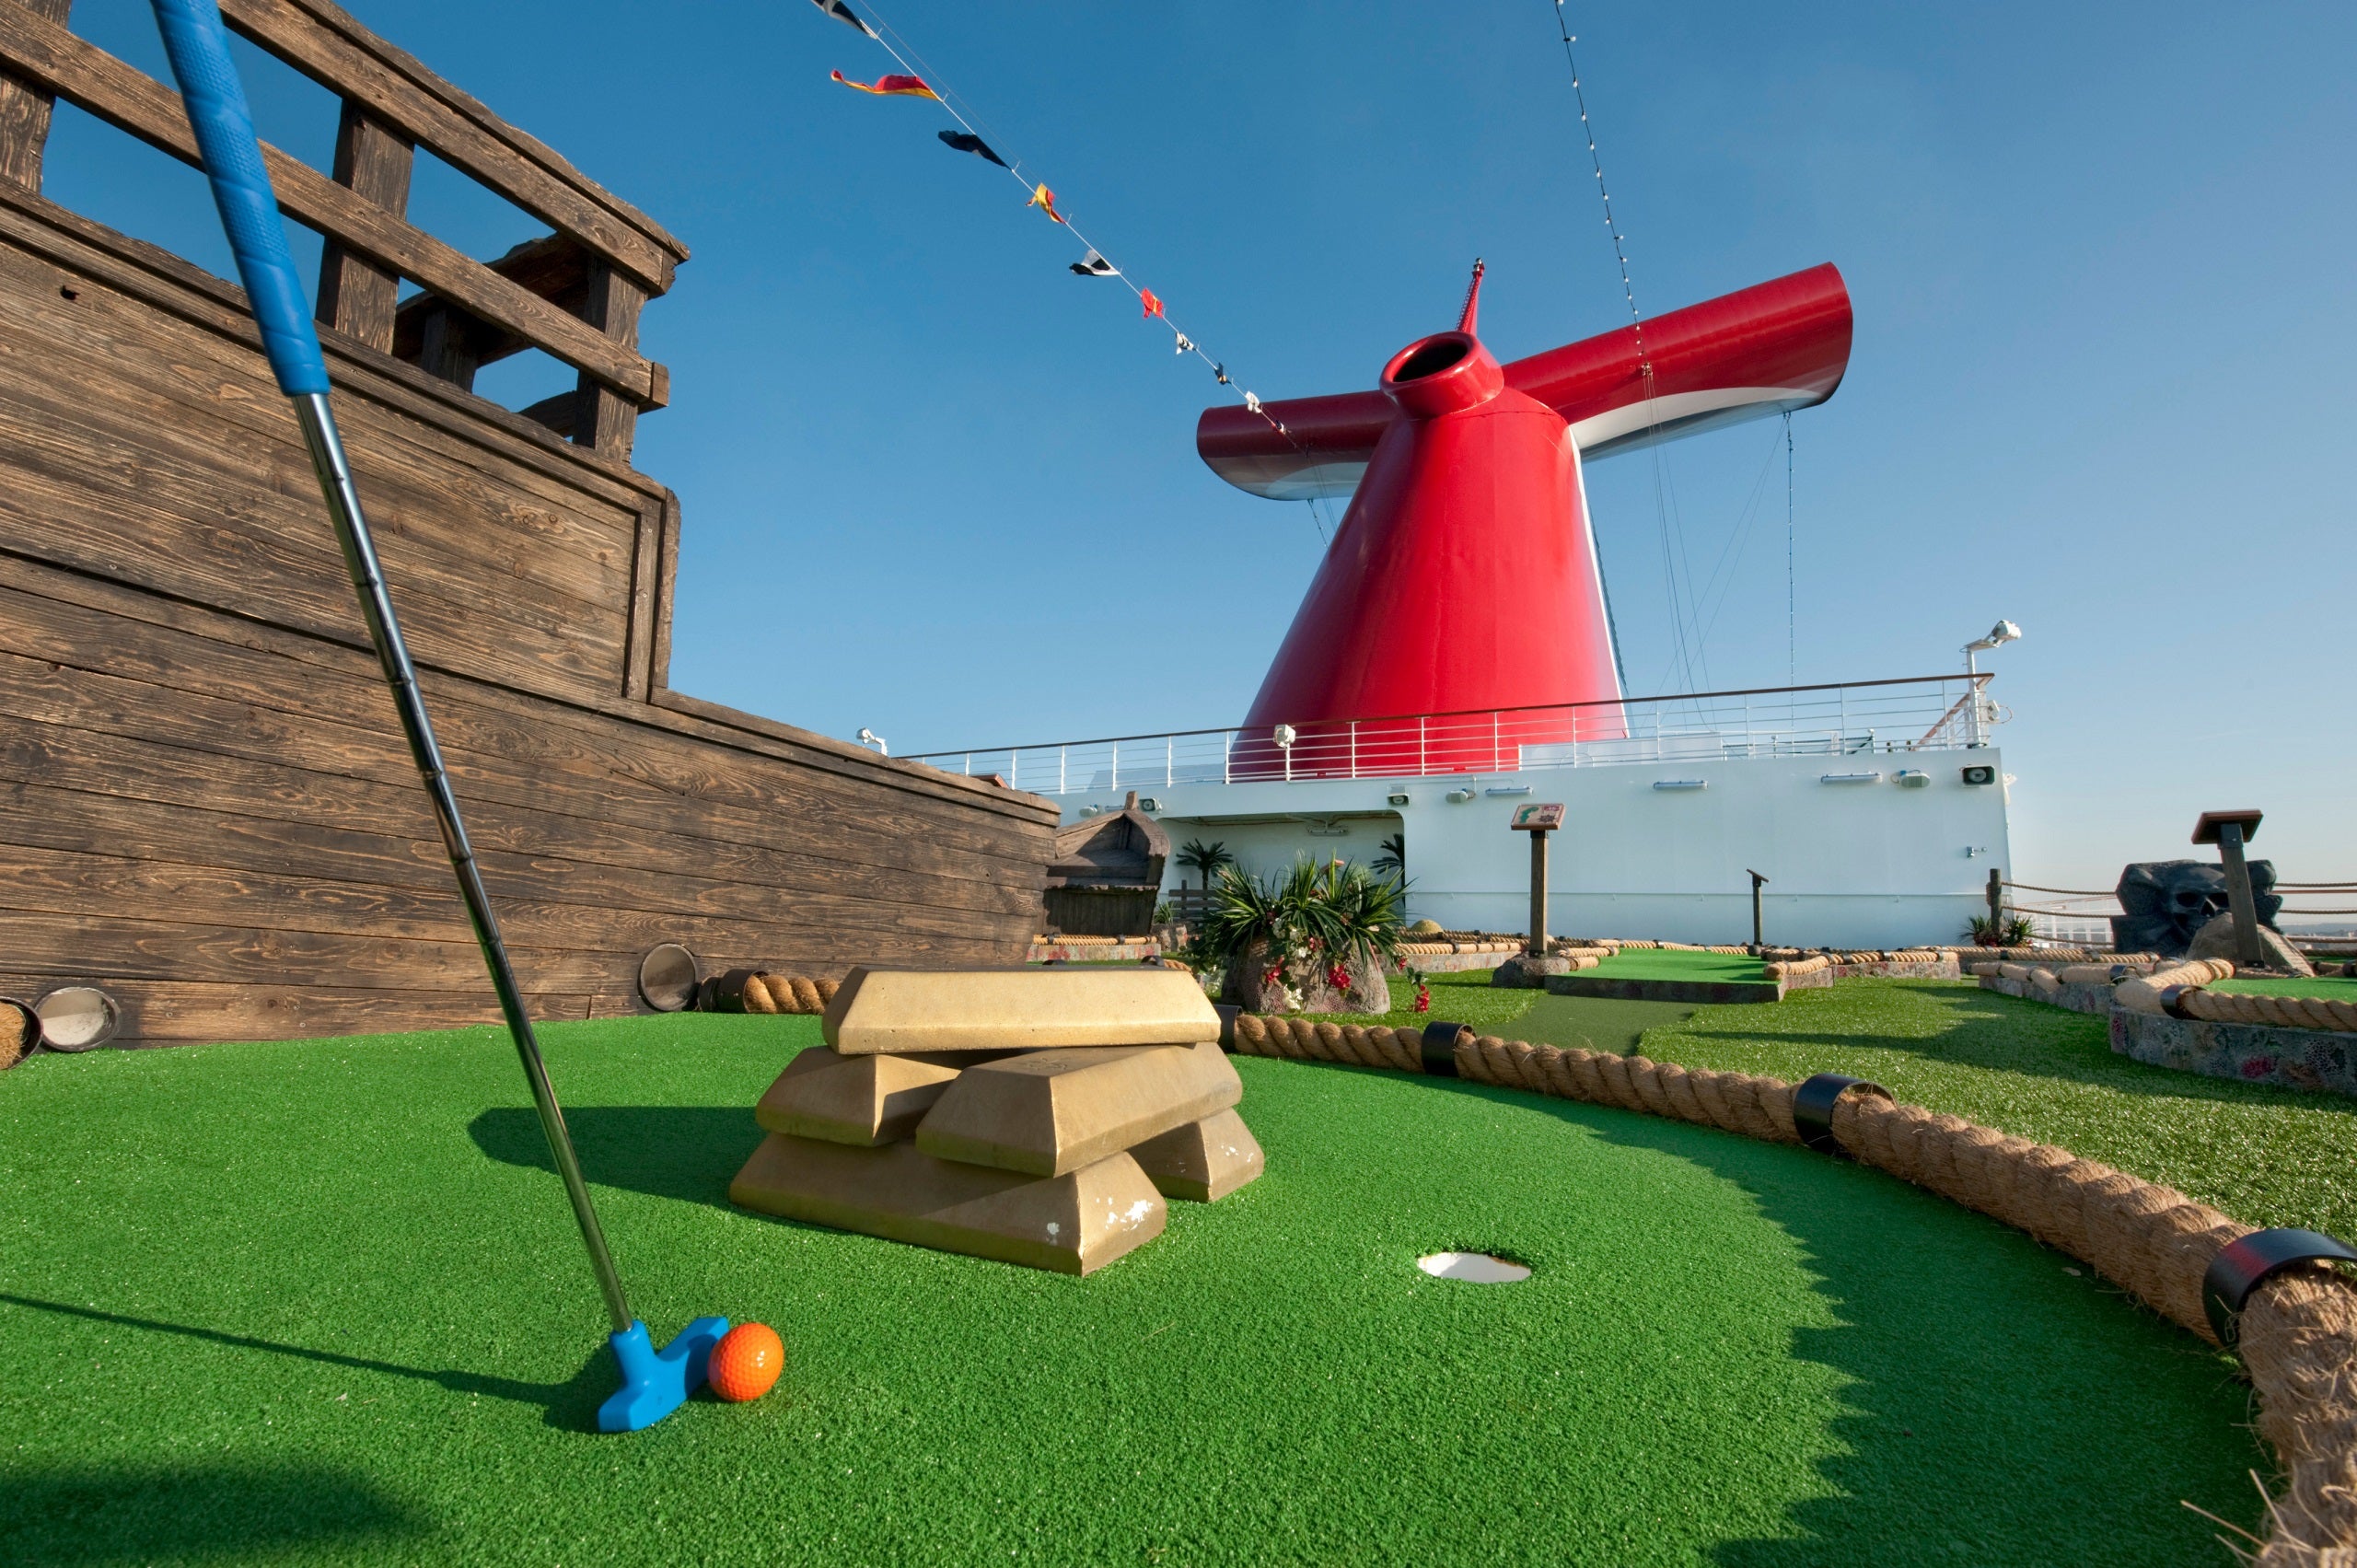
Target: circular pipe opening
{"type": "Point", "coordinates": [1475, 1268]}
{"type": "Point", "coordinates": [1432, 358]}
{"type": "Point", "coordinates": [668, 977]}
{"type": "Point", "coordinates": [77, 1017]}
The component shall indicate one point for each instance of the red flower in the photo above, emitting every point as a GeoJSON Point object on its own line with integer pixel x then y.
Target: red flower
{"type": "Point", "coordinates": [1338, 977]}
{"type": "Point", "coordinates": [1424, 999]}
{"type": "Point", "coordinates": [1269, 976]}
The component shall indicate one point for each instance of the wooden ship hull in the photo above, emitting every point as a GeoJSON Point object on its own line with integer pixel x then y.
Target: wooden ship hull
{"type": "Point", "coordinates": [207, 807]}
{"type": "Point", "coordinates": [1107, 874]}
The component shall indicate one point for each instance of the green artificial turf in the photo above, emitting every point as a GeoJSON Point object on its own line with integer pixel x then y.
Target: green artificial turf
{"type": "Point", "coordinates": [2333, 988]}
{"type": "Point", "coordinates": [322, 1302]}
{"type": "Point", "coordinates": [1660, 963]}
{"type": "Point", "coordinates": [2265, 1155]}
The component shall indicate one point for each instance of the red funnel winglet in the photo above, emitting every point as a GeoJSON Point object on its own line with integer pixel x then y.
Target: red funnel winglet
{"type": "Point", "coordinates": [1762, 351]}
{"type": "Point", "coordinates": [1463, 582]}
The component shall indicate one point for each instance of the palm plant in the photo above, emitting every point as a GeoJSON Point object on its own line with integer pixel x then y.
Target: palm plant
{"type": "Point", "coordinates": [2012, 931]}
{"type": "Point", "coordinates": [1336, 911]}
{"type": "Point", "coordinates": [1393, 861]}
{"type": "Point", "coordinates": [1205, 860]}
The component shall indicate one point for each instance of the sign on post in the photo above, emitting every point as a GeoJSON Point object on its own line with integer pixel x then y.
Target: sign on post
{"type": "Point", "coordinates": [1537, 818]}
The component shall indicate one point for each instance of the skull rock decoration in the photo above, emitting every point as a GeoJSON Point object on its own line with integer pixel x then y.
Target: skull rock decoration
{"type": "Point", "coordinates": [2169, 901]}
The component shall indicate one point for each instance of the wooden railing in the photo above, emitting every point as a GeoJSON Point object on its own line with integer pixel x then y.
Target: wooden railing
{"type": "Point", "coordinates": [574, 293]}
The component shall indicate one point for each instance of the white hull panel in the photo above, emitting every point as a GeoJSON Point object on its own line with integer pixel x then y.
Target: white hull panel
{"type": "Point", "coordinates": [1852, 864]}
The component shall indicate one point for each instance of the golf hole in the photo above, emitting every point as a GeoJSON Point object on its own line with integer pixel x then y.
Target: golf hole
{"type": "Point", "coordinates": [1479, 1268]}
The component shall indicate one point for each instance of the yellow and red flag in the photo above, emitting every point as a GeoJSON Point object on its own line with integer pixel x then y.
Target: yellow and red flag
{"type": "Point", "coordinates": [1152, 302]}
{"type": "Point", "coordinates": [891, 86]}
{"type": "Point", "coordinates": [1045, 199]}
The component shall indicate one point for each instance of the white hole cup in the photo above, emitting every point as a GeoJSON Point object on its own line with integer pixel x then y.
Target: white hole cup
{"type": "Point", "coordinates": [1475, 1268]}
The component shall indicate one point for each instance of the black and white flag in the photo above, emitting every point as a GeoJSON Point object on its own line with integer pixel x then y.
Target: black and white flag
{"type": "Point", "coordinates": [844, 14]}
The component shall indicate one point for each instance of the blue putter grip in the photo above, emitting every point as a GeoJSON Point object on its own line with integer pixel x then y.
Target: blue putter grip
{"type": "Point", "coordinates": [225, 135]}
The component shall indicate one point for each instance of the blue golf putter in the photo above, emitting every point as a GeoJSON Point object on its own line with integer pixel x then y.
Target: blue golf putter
{"type": "Point", "coordinates": [654, 1382]}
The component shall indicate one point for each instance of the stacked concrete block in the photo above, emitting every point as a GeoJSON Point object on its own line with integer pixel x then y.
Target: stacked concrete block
{"type": "Point", "coordinates": [1036, 1117]}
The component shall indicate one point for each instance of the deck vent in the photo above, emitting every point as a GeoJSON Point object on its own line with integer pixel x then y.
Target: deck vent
{"type": "Point", "coordinates": [1681, 784]}
{"type": "Point", "coordinates": [1851, 778]}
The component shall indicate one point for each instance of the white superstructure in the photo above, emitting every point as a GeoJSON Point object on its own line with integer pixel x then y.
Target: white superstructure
{"type": "Point", "coordinates": [1875, 809]}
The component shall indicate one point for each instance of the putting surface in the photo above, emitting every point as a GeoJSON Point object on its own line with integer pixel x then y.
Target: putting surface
{"type": "Point", "coordinates": [322, 1302]}
{"type": "Point", "coordinates": [2332, 988]}
{"type": "Point", "coordinates": [1671, 963]}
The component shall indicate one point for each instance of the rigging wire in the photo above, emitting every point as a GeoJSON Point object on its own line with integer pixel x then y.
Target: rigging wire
{"type": "Point", "coordinates": [1619, 247]}
{"type": "Point", "coordinates": [958, 108]}
{"type": "Point", "coordinates": [1792, 601]}
{"type": "Point", "coordinates": [1683, 613]}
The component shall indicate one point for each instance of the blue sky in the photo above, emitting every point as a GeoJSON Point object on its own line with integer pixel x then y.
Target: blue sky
{"type": "Point", "coordinates": [2101, 258]}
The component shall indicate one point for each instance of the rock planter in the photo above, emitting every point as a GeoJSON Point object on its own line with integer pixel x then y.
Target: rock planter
{"type": "Point", "coordinates": [1524, 973]}
{"type": "Point", "coordinates": [1367, 991]}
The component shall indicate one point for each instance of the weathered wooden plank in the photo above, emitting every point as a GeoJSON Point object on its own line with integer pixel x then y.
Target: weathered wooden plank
{"type": "Point", "coordinates": [649, 597]}
{"type": "Point", "coordinates": [329, 46]}
{"type": "Point", "coordinates": [230, 698]}
{"type": "Point", "coordinates": [40, 818]}
{"type": "Point", "coordinates": [113, 509]}
{"type": "Point", "coordinates": [101, 362]}
{"type": "Point", "coordinates": [159, 278]}
{"type": "Point", "coordinates": [83, 252]}
{"type": "Point", "coordinates": [601, 418]}
{"type": "Point", "coordinates": [68, 885]}
{"type": "Point", "coordinates": [130, 100]}
{"type": "Point", "coordinates": [566, 581]}
{"type": "Point", "coordinates": [178, 1013]}
{"type": "Point", "coordinates": [44, 615]}
{"type": "Point", "coordinates": [373, 162]}
{"type": "Point", "coordinates": [56, 705]}
{"type": "Point", "coordinates": [25, 110]}
{"type": "Point", "coordinates": [773, 738]}
{"type": "Point", "coordinates": [595, 854]}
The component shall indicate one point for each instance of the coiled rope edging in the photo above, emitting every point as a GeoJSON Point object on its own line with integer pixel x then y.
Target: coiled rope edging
{"type": "Point", "coordinates": [2296, 1332]}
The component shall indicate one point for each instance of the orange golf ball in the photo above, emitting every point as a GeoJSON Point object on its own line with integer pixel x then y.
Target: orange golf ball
{"type": "Point", "coordinates": [746, 1362]}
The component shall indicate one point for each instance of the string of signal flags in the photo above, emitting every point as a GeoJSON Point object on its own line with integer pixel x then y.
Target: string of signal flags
{"type": "Point", "coordinates": [966, 138]}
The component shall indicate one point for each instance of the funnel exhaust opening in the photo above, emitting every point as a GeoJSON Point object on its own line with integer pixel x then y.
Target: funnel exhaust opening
{"type": "Point", "coordinates": [1432, 358]}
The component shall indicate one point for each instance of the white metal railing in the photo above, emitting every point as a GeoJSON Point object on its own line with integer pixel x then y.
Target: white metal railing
{"type": "Point", "coordinates": [1928, 713]}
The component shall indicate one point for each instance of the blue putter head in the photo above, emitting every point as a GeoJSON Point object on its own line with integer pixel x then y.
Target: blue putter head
{"type": "Point", "coordinates": [657, 1382]}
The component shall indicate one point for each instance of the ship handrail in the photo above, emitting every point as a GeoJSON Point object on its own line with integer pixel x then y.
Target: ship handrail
{"type": "Point", "coordinates": [1980, 679]}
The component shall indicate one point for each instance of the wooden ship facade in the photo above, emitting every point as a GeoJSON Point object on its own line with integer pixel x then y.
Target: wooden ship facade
{"type": "Point", "coordinates": [208, 808]}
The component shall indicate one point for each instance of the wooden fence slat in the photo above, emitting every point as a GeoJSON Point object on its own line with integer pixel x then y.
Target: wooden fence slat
{"type": "Point", "coordinates": [130, 100]}
{"type": "Point", "coordinates": [25, 110]}
{"type": "Point", "coordinates": [356, 294]}
{"type": "Point", "coordinates": [328, 45]}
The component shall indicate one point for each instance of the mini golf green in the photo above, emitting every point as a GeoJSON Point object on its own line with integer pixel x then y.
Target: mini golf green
{"type": "Point", "coordinates": [1670, 963]}
{"type": "Point", "coordinates": [321, 1302]}
{"type": "Point", "coordinates": [2332, 988]}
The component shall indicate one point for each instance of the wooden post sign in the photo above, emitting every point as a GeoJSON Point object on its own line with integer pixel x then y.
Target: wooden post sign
{"type": "Point", "coordinates": [1538, 820]}
{"type": "Point", "coordinates": [2230, 830]}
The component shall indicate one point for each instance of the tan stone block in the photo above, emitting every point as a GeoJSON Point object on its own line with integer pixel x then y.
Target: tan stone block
{"type": "Point", "coordinates": [904, 1011]}
{"type": "Point", "coordinates": [855, 1099]}
{"type": "Point", "coordinates": [1047, 1112]}
{"type": "Point", "coordinates": [1204, 1161]}
{"type": "Point", "coordinates": [1073, 1223]}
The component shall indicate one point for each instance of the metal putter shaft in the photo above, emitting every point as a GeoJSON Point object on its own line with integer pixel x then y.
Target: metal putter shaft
{"type": "Point", "coordinates": [655, 1383]}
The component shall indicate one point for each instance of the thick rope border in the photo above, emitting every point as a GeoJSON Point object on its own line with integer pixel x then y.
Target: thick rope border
{"type": "Point", "coordinates": [2298, 1335]}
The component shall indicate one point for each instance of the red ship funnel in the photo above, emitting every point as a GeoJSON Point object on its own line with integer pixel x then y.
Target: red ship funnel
{"type": "Point", "coordinates": [1463, 583]}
